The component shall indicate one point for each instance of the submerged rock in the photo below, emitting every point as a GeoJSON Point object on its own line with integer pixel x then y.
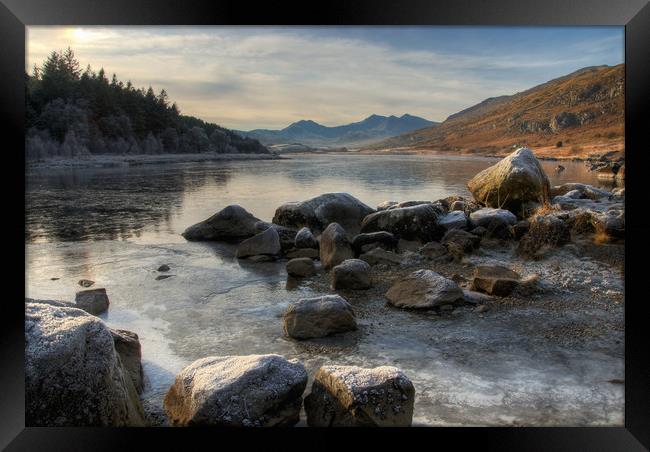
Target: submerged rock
{"type": "Point", "coordinates": [73, 374]}
{"type": "Point", "coordinates": [86, 282]}
{"type": "Point", "coordinates": [265, 243]}
{"type": "Point", "coordinates": [424, 289]}
{"type": "Point", "coordinates": [305, 239]}
{"type": "Point", "coordinates": [318, 317]}
{"type": "Point", "coordinates": [350, 396]}
{"type": "Point", "coordinates": [93, 301]}
{"type": "Point", "coordinates": [351, 274]}
{"type": "Point", "coordinates": [517, 179]}
{"type": "Point", "coordinates": [231, 223]}
{"type": "Point", "coordinates": [301, 267]}
{"type": "Point", "coordinates": [494, 280]}
{"type": "Point", "coordinates": [237, 391]}
{"type": "Point", "coordinates": [316, 213]}
{"type": "Point", "coordinates": [334, 246]}
{"type": "Point", "coordinates": [419, 222]}
{"type": "Point", "coordinates": [164, 268]}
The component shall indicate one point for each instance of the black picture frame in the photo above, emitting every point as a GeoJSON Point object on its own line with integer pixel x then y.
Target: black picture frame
{"type": "Point", "coordinates": [633, 14]}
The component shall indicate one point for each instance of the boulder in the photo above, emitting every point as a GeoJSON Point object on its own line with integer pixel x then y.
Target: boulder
{"type": "Point", "coordinates": [301, 267]}
{"type": "Point", "coordinates": [93, 301]}
{"type": "Point", "coordinates": [350, 396]}
{"type": "Point", "coordinates": [456, 219]}
{"type": "Point", "coordinates": [318, 317]}
{"type": "Point", "coordinates": [231, 223]}
{"type": "Point", "coordinates": [403, 204]}
{"type": "Point", "coordinates": [544, 231]}
{"type": "Point", "coordinates": [73, 374]}
{"type": "Point", "coordinates": [424, 289]}
{"type": "Point", "coordinates": [611, 223]}
{"type": "Point", "coordinates": [305, 239]}
{"type": "Point", "coordinates": [334, 246]}
{"type": "Point", "coordinates": [436, 251]}
{"type": "Point", "coordinates": [265, 243]}
{"type": "Point", "coordinates": [515, 180]}
{"type": "Point", "coordinates": [377, 256]}
{"type": "Point", "coordinates": [466, 241]}
{"type": "Point", "coordinates": [494, 280]}
{"type": "Point", "coordinates": [418, 222]}
{"type": "Point", "coordinates": [311, 253]}
{"type": "Point", "coordinates": [351, 274]}
{"type": "Point", "coordinates": [586, 191]}
{"type": "Point", "coordinates": [237, 391]}
{"type": "Point", "coordinates": [287, 235]}
{"type": "Point", "coordinates": [484, 217]}
{"type": "Point", "coordinates": [316, 213]}
{"type": "Point", "coordinates": [127, 345]}
{"type": "Point", "coordinates": [365, 242]}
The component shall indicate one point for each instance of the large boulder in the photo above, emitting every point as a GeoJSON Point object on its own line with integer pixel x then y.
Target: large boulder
{"type": "Point", "coordinates": [301, 267]}
{"type": "Point", "coordinates": [424, 289]}
{"type": "Point", "coordinates": [351, 274]}
{"type": "Point", "coordinates": [305, 239]}
{"type": "Point", "coordinates": [318, 317]}
{"type": "Point", "coordinates": [73, 374]}
{"type": "Point", "coordinates": [237, 391]}
{"type": "Point", "coordinates": [93, 301]}
{"type": "Point", "coordinates": [419, 222]}
{"type": "Point", "coordinates": [265, 243]}
{"type": "Point", "coordinates": [334, 246]}
{"type": "Point", "coordinates": [381, 239]}
{"type": "Point", "coordinates": [497, 222]}
{"type": "Point", "coordinates": [316, 213]}
{"type": "Point", "coordinates": [515, 180]}
{"type": "Point", "coordinates": [350, 396]}
{"type": "Point", "coordinates": [231, 223]}
{"type": "Point", "coordinates": [495, 280]}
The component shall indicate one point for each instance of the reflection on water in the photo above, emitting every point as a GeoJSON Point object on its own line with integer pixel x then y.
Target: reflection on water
{"type": "Point", "coordinates": [148, 203]}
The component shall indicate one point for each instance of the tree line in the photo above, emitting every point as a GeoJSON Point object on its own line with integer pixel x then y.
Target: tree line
{"type": "Point", "coordinates": [72, 113]}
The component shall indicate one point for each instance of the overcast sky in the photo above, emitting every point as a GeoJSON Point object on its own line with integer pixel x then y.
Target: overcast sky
{"type": "Point", "coordinates": [268, 77]}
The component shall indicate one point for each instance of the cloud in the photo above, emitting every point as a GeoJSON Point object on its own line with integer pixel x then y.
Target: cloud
{"type": "Point", "coordinates": [262, 77]}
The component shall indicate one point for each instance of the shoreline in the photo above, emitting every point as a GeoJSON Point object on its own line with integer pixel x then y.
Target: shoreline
{"type": "Point", "coordinates": [118, 161]}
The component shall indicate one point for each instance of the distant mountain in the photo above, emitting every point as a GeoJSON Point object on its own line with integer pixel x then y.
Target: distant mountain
{"type": "Point", "coordinates": [569, 116]}
{"type": "Point", "coordinates": [371, 129]}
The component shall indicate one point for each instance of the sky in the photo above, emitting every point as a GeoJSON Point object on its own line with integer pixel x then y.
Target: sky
{"type": "Point", "coordinates": [250, 77]}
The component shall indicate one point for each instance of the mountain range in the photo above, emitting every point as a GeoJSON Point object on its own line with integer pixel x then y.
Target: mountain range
{"type": "Point", "coordinates": [371, 129]}
{"type": "Point", "coordinates": [574, 115]}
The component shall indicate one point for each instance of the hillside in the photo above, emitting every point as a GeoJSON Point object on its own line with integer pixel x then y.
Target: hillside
{"type": "Point", "coordinates": [583, 110]}
{"type": "Point", "coordinates": [70, 113]}
{"type": "Point", "coordinates": [371, 129]}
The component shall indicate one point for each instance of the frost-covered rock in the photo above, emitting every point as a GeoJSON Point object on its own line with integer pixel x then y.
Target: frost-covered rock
{"type": "Point", "coordinates": [231, 223]}
{"type": "Point", "coordinates": [586, 191]}
{"type": "Point", "coordinates": [515, 180]}
{"type": "Point", "coordinates": [351, 274]}
{"type": "Point", "coordinates": [350, 396]}
{"type": "Point", "coordinates": [494, 280]}
{"type": "Point", "coordinates": [487, 216]}
{"type": "Point", "coordinates": [127, 345]}
{"type": "Point", "coordinates": [318, 317]}
{"type": "Point", "coordinates": [237, 391]}
{"type": "Point", "coordinates": [334, 246]}
{"type": "Point", "coordinates": [419, 222]}
{"type": "Point", "coordinates": [265, 243]}
{"type": "Point", "coordinates": [93, 301]}
{"type": "Point", "coordinates": [301, 267]}
{"type": "Point", "coordinates": [423, 289]}
{"type": "Point", "coordinates": [316, 213]}
{"type": "Point", "coordinates": [73, 374]}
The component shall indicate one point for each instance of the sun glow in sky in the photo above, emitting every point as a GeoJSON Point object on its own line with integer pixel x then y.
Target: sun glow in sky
{"type": "Point", "coordinates": [267, 77]}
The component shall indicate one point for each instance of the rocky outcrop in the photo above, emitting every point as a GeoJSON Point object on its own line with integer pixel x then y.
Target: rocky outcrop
{"type": "Point", "coordinates": [231, 223]}
{"type": "Point", "coordinates": [424, 289]}
{"type": "Point", "coordinates": [237, 391]}
{"type": "Point", "coordinates": [318, 317]}
{"type": "Point", "coordinates": [350, 396]}
{"type": "Point", "coordinates": [316, 213]}
{"type": "Point", "coordinates": [419, 222]}
{"type": "Point", "coordinates": [334, 246]}
{"type": "Point", "coordinates": [365, 242]}
{"type": "Point", "coordinates": [93, 301]}
{"type": "Point", "coordinates": [351, 274]}
{"type": "Point", "coordinates": [73, 374]}
{"type": "Point", "coordinates": [305, 239]}
{"type": "Point", "coordinates": [266, 243]}
{"type": "Point", "coordinates": [494, 280]}
{"type": "Point", "coordinates": [301, 267]}
{"type": "Point", "coordinates": [517, 179]}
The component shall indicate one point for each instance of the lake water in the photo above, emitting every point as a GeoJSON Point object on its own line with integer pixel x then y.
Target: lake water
{"type": "Point", "coordinates": [117, 226]}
